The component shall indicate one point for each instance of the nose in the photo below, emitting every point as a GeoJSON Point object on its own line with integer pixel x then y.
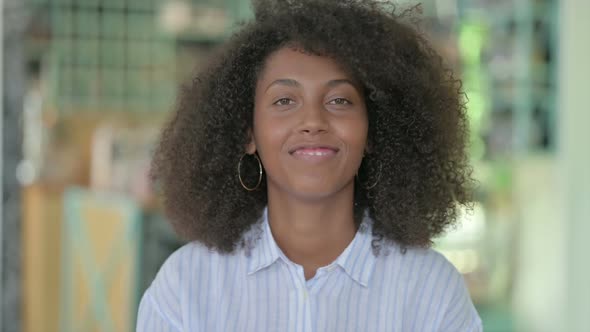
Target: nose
{"type": "Point", "coordinates": [313, 120]}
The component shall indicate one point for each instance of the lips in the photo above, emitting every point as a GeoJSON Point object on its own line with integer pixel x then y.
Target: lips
{"type": "Point", "coordinates": [313, 152]}
{"type": "Point", "coordinates": [313, 147]}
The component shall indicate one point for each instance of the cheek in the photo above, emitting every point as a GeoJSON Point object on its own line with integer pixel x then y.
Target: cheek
{"type": "Point", "coordinates": [269, 135]}
{"type": "Point", "coordinates": [354, 132]}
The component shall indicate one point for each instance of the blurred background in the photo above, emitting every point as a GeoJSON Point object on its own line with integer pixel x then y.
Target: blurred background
{"type": "Point", "coordinates": [86, 85]}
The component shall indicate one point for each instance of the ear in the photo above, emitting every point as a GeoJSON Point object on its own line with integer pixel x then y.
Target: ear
{"type": "Point", "coordinates": [251, 146]}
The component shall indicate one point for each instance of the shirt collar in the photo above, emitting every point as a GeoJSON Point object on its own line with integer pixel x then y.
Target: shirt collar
{"type": "Point", "coordinates": [266, 251]}
{"type": "Point", "coordinates": [357, 260]}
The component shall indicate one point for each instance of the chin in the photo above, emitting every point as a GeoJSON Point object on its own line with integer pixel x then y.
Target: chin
{"type": "Point", "coordinates": [315, 191]}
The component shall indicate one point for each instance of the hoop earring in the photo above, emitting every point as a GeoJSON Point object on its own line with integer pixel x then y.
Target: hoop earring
{"type": "Point", "coordinates": [259, 173]}
{"type": "Point", "coordinates": [376, 181]}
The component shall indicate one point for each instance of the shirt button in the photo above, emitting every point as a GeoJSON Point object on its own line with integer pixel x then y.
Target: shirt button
{"type": "Point", "coordinates": [305, 294]}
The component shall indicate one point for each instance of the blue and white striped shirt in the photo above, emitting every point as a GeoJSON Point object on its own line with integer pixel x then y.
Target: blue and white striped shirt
{"type": "Point", "coordinates": [261, 290]}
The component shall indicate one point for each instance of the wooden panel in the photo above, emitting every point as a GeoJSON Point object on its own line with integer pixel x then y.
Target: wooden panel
{"type": "Point", "coordinates": [42, 215]}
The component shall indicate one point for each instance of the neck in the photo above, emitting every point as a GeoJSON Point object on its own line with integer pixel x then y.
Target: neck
{"type": "Point", "coordinates": [312, 233]}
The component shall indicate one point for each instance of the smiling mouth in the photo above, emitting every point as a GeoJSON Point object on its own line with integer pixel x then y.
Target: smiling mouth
{"type": "Point", "coordinates": [314, 154]}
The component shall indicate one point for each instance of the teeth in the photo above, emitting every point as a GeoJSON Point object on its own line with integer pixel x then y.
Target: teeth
{"type": "Point", "coordinates": [314, 153]}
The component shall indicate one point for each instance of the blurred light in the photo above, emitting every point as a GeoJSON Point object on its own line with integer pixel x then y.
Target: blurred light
{"type": "Point", "coordinates": [210, 22]}
{"type": "Point", "coordinates": [181, 18]}
{"type": "Point", "coordinates": [478, 148]}
{"type": "Point", "coordinates": [25, 173]}
{"type": "Point", "coordinates": [471, 42]}
{"type": "Point", "coordinates": [175, 16]}
{"type": "Point", "coordinates": [466, 261]}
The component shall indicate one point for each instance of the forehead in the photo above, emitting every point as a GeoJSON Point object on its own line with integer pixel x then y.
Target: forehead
{"type": "Point", "coordinates": [290, 62]}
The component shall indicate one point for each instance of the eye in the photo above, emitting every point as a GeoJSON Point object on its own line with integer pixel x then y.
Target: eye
{"type": "Point", "coordinates": [339, 101]}
{"type": "Point", "coordinates": [284, 101]}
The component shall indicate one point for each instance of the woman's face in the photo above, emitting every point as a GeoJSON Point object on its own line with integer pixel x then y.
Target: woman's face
{"type": "Point", "coordinates": [310, 124]}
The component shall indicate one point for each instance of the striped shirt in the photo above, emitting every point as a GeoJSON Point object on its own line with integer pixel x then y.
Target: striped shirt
{"type": "Point", "coordinates": [260, 289]}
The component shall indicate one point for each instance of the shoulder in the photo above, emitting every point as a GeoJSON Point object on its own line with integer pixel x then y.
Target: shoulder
{"type": "Point", "coordinates": [192, 264]}
{"type": "Point", "coordinates": [177, 271]}
{"type": "Point", "coordinates": [429, 272]}
{"type": "Point", "coordinates": [419, 262]}
{"type": "Point", "coordinates": [439, 281]}
{"type": "Point", "coordinates": [169, 279]}
{"type": "Point", "coordinates": [181, 257]}
{"type": "Point", "coordinates": [428, 260]}
{"type": "Point", "coordinates": [162, 303]}
{"type": "Point", "coordinates": [424, 270]}
{"type": "Point", "coordinates": [183, 262]}
{"type": "Point", "coordinates": [434, 292]}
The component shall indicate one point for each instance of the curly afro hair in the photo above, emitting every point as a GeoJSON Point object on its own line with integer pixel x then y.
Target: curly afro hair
{"type": "Point", "coordinates": [418, 129]}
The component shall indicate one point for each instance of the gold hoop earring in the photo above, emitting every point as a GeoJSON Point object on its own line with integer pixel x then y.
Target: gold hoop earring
{"type": "Point", "coordinates": [376, 181]}
{"type": "Point", "coordinates": [259, 173]}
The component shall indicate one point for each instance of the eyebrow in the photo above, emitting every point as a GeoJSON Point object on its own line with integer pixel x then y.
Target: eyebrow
{"type": "Point", "coordinates": [334, 83]}
{"type": "Point", "coordinates": [294, 83]}
{"type": "Point", "coordinates": [284, 81]}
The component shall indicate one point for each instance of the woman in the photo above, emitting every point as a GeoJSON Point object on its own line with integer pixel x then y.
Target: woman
{"type": "Point", "coordinates": [310, 166]}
